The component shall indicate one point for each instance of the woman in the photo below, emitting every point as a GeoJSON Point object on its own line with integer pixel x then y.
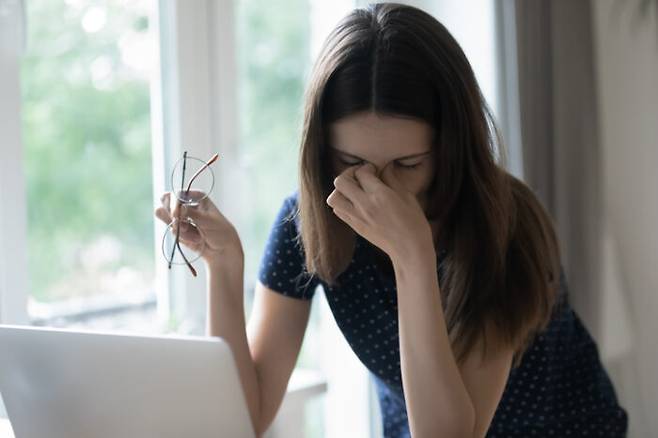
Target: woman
{"type": "Point", "coordinates": [441, 269]}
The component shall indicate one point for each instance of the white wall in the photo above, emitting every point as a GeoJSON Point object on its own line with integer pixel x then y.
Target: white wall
{"type": "Point", "coordinates": [627, 69]}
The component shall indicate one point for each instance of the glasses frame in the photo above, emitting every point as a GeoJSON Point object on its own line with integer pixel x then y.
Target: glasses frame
{"type": "Point", "coordinates": [176, 245]}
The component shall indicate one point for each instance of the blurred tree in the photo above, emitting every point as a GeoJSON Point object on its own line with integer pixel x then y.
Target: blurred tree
{"type": "Point", "coordinates": [273, 61]}
{"type": "Point", "coordinates": [86, 126]}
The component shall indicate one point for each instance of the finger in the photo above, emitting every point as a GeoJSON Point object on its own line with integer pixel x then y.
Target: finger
{"type": "Point", "coordinates": [176, 207]}
{"type": "Point", "coordinates": [162, 214]}
{"type": "Point", "coordinates": [353, 221]}
{"type": "Point", "coordinates": [367, 179]}
{"type": "Point", "coordinates": [338, 201]}
{"type": "Point", "coordinates": [191, 241]}
{"type": "Point", "coordinates": [347, 186]}
{"type": "Point", "coordinates": [173, 206]}
{"type": "Point", "coordinates": [189, 233]}
{"type": "Point", "coordinates": [192, 200]}
{"type": "Point", "coordinates": [196, 198]}
{"type": "Point", "coordinates": [205, 220]}
{"type": "Point", "coordinates": [165, 200]}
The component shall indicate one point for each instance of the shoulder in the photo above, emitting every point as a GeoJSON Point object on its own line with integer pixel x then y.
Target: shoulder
{"type": "Point", "coordinates": [289, 213]}
{"type": "Point", "coordinates": [292, 198]}
{"type": "Point", "coordinates": [288, 209]}
{"type": "Point", "coordinates": [290, 203]}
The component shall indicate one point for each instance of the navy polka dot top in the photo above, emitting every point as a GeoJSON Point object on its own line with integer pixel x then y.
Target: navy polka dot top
{"type": "Point", "coordinates": [560, 389]}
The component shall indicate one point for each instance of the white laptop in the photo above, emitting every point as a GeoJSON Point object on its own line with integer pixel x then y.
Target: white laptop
{"type": "Point", "coordinates": [67, 384]}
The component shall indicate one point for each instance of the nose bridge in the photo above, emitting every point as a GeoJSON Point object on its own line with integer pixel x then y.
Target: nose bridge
{"type": "Point", "coordinates": [379, 169]}
{"type": "Point", "coordinates": [380, 173]}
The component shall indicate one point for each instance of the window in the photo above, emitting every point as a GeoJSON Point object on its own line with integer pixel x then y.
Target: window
{"type": "Point", "coordinates": [111, 94]}
{"type": "Point", "coordinates": [276, 45]}
{"type": "Point", "coordinates": [273, 59]}
{"type": "Point", "coordinates": [87, 156]}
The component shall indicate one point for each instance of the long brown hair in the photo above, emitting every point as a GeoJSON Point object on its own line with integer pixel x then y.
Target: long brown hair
{"type": "Point", "coordinates": [502, 264]}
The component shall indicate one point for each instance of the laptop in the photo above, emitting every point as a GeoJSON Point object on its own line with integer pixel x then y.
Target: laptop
{"type": "Point", "coordinates": [69, 384]}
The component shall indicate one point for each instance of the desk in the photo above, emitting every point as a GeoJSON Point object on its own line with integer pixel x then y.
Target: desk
{"type": "Point", "coordinates": [304, 385]}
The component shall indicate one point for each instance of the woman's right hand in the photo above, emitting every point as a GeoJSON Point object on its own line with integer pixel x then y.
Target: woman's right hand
{"type": "Point", "coordinates": [218, 237]}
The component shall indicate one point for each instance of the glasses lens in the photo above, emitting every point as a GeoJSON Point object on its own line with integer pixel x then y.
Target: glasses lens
{"type": "Point", "coordinates": [183, 172]}
{"type": "Point", "coordinates": [190, 243]}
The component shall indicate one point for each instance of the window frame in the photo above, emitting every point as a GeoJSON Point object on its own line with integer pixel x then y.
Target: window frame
{"type": "Point", "coordinates": [13, 208]}
{"type": "Point", "coordinates": [198, 98]}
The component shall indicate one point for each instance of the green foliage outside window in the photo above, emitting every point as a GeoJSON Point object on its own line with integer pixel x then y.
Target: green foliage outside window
{"type": "Point", "coordinates": [86, 131]}
{"type": "Point", "coordinates": [273, 62]}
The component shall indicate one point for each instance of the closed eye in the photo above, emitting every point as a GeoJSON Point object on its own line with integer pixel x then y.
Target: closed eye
{"type": "Point", "coordinates": [407, 166]}
{"type": "Point", "coordinates": [350, 163]}
{"type": "Point", "coordinates": [397, 164]}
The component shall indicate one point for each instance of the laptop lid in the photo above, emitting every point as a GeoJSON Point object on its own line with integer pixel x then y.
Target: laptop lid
{"type": "Point", "coordinates": [66, 384]}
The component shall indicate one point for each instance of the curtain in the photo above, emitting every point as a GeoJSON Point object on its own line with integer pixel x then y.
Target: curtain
{"type": "Point", "coordinates": [559, 132]}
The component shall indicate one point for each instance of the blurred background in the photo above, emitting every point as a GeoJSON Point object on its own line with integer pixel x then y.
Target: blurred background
{"type": "Point", "coordinates": [98, 100]}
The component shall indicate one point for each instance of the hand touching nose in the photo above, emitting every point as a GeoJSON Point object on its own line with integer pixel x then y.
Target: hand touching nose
{"type": "Point", "coordinates": [380, 210]}
{"type": "Point", "coordinates": [386, 174]}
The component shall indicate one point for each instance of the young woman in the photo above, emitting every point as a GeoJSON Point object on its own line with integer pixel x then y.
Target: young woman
{"type": "Point", "coordinates": [441, 269]}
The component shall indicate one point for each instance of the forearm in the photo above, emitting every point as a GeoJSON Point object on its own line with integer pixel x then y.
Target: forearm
{"type": "Point", "coordinates": [226, 319]}
{"type": "Point", "coordinates": [438, 403]}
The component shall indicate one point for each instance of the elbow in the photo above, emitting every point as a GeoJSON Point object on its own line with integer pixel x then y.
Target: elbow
{"type": "Point", "coordinates": [458, 425]}
{"type": "Point", "coordinates": [468, 422]}
{"type": "Point", "coordinates": [259, 423]}
{"type": "Point", "coordinates": [458, 431]}
{"type": "Point", "coordinates": [464, 420]}
{"type": "Point", "coordinates": [256, 426]}
{"type": "Point", "coordinates": [260, 427]}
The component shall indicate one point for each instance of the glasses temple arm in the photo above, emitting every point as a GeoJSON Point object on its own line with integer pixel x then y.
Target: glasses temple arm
{"type": "Point", "coordinates": [198, 172]}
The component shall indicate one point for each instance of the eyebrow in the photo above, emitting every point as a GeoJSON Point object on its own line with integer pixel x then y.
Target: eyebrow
{"type": "Point", "coordinates": [401, 158]}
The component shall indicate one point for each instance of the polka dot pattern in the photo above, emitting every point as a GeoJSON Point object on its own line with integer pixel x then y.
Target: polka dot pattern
{"type": "Point", "coordinates": [282, 265]}
{"type": "Point", "coordinates": [560, 388]}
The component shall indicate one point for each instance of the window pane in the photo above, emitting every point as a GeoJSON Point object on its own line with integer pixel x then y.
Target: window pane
{"type": "Point", "coordinates": [86, 131]}
{"type": "Point", "coordinates": [277, 43]}
{"type": "Point", "coordinates": [273, 58]}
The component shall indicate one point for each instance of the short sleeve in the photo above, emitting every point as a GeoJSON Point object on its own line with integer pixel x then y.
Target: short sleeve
{"type": "Point", "coordinates": [282, 266]}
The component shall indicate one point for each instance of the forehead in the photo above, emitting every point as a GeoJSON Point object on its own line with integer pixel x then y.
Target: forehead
{"type": "Point", "coordinates": [369, 135]}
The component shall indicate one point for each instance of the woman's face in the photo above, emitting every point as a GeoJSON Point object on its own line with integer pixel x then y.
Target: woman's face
{"type": "Point", "coordinates": [392, 144]}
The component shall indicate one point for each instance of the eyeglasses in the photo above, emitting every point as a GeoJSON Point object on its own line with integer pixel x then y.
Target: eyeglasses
{"type": "Point", "coordinates": [193, 190]}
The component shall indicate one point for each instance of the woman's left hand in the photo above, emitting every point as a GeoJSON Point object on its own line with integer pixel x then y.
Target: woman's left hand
{"type": "Point", "coordinates": [381, 210]}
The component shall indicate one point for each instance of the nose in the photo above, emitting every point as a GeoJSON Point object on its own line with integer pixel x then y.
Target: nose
{"type": "Point", "coordinates": [379, 169]}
